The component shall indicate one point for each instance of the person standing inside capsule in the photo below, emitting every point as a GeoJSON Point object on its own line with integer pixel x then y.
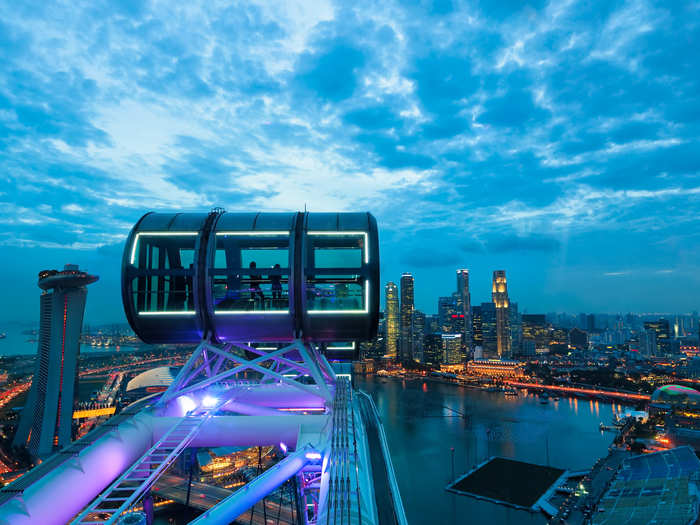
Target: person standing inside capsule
{"type": "Point", "coordinates": [255, 280]}
{"type": "Point", "coordinates": [276, 282]}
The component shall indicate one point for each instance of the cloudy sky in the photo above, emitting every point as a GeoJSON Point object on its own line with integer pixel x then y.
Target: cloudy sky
{"type": "Point", "coordinates": [557, 140]}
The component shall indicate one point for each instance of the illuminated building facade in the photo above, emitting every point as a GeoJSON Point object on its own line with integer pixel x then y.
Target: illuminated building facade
{"type": "Point", "coordinates": [499, 296]}
{"type": "Point", "coordinates": [496, 368]}
{"type": "Point", "coordinates": [449, 315]}
{"type": "Point", "coordinates": [489, 338]}
{"type": "Point", "coordinates": [465, 299]}
{"type": "Point", "coordinates": [406, 324]}
{"type": "Point", "coordinates": [477, 336]}
{"type": "Point", "coordinates": [46, 421]}
{"type": "Point", "coordinates": [452, 349]}
{"type": "Point", "coordinates": [516, 328]}
{"type": "Point", "coordinates": [418, 330]}
{"type": "Point", "coordinates": [432, 349]}
{"type": "Point", "coordinates": [578, 339]}
{"type": "Point", "coordinates": [663, 334]}
{"type": "Point", "coordinates": [535, 329]}
{"type": "Point", "coordinates": [391, 319]}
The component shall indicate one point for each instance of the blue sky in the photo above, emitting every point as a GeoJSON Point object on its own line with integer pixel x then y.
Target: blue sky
{"type": "Point", "coordinates": [556, 140]}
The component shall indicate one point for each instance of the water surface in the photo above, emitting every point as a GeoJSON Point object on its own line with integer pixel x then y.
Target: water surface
{"type": "Point", "coordinates": [423, 421]}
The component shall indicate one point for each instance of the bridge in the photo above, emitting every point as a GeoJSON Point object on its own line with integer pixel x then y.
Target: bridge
{"type": "Point", "coordinates": [191, 277]}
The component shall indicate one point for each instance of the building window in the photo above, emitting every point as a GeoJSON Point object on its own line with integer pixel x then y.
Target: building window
{"type": "Point", "coordinates": [335, 272]}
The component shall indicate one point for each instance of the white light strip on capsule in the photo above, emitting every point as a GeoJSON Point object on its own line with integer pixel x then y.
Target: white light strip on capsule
{"type": "Point", "coordinates": [351, 347]}
{"type": "Point", "coordinates": [366, 236]}
{"type": "Point", "coordinates": [251, 312]}
{"type": "Point", "coordinates": [286, 233]}
{"type": "Point", "coordinates": [170, 312]}
{"type": "Point", "coordinates": [156, 234]}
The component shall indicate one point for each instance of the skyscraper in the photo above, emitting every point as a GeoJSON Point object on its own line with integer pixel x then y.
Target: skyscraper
{"type": "Point", "coordinates": [477, 334]}
{"type": "Point", "coordinates": [535, 329]}
{"type": "Point", "coordinates": [45, 424]}
{"type": "Point", "coordinates": [500, 300]}
{"type": "Point", "coordinates": [465, 296]}
{"type": "Point", "coordinates": [489, 336]}
{"type": "Point", "coordinates": [448, 314]}
{"type": "Point", "coordinates": [391, 320]}
{"type": "Point", "coordinates": [406, 335]}
{"type": "Point", "coordinates": [418, 331]}
{"type": "Point", "coordinates": [663, 334]}
{"type": "Point", "coordinates": [516, 328]}
{"type": "Point", "coordinates": [432, 349]}
{"type": "Point", "coordinates": [452, 349]}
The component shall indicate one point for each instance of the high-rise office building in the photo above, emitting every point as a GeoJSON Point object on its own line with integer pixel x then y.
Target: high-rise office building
{"type": "Point", "coordinates": [489, 336]}
{"type": "Point", "coordinates": [663, 334]}
{"type": "Point", "coordinates": [578, 339]}
{"type": "Point", "coordinates": [448, 313]}
{"type": "Point", "coordinates": [432, 349]}
{"type": "Point", "coordinates": [477, 334]}
{"type": "Point", "coordinates": [452, 349]}
{"type": "Point", "coordinates": [46, 421]}
{"type": "Point", "coordinates": [466, 303]}
{"type": "Point", "coordinates": [418, 331]}
{"type": "Point", "coordinates": [647, 342]}
{"type": "Point", "coordinates": [516, 328]}
{"type": "Point", "coordinates": [536, 329]}
{"type": "Point", "coordinates": [391, 320]}
{"type": "Point", "coordinates": [432, 324]}
{"type": "Point", "coordinates": [590, 323]}
{"type": "Point", "coordinates": [406, 319]}
{"type": "Point", "coordinates": [500, 300]}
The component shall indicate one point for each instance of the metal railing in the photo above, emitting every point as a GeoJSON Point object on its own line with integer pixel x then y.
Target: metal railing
{"type": "Point", "coordinates": [399, 512]}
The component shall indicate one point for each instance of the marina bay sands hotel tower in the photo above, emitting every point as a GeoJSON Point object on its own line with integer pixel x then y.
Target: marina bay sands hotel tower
{"type": "Point", "coordinates": [45, 424]}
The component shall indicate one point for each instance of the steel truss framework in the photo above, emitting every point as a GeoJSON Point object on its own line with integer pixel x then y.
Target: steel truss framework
{"type": "Point", "coordinates": [295, 365]}
{"type": "Point", "coordinates": [211, 365]}
{"type": "Point", "coordinates": [217, 380]}
{"type": "Point", "coordinates": [218, 369]}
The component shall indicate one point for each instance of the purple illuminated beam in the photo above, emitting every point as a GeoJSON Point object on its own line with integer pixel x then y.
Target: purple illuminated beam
{"type": "Point", "coordinates": [237, 503]}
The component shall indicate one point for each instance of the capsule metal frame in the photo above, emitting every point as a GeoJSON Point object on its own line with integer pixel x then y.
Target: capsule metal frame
{"type": "Point", "coordinates": [186, 277]}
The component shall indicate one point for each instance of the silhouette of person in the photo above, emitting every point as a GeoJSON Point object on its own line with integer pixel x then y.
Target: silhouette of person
{"type": "Point", "coordinates": [276, 281]}
{"type": "Point", "coordinates": [178, 291]}
{"type": "Point", "coordinates": [255, 281]}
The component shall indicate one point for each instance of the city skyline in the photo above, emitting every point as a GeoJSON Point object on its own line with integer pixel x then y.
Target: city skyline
{"type": "Point", "coordinates": [425, 294]}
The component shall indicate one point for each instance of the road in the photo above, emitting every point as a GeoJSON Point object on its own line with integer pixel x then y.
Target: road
{"type": "Point", "coordinates": [595, 484]}
{"type": "Point", "coordinates": [204, 496]}
{"type": "Point", "coordinates": [592, 391]}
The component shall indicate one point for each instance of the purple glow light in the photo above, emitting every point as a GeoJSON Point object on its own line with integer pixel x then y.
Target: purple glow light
{"type": "Point", "coordinates": [209, 401]}
{"type": "Point", "coordinates": [186, 404]}
{"type": "Point", "coordinates": [283, 447]}
{"type": "Point", "coordinates": [313, 455]}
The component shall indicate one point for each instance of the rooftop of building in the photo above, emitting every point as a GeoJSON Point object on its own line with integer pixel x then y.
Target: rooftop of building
{"type": "Point", "coordinates": [675, 394]}
{"type": "Point", "coordinates": [160, 376]}
{"type": "Point", "coordinates": [661, 486]}
{"type": "Point", "coordinates": [507, 481]}
{"type": "Point", "coordinates": [70, 276]}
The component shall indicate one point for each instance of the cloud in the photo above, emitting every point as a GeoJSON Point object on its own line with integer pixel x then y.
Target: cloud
{"type": "Point", "coordinates": [524, 244]}
{"type": "Point", "coordinates": [508, 129]}
{"type": "Point", "coordinates": [331, 73]}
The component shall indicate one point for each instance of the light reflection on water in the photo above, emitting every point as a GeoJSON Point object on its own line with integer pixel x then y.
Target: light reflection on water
{"type": "Point", "coordinates": [422, 423]}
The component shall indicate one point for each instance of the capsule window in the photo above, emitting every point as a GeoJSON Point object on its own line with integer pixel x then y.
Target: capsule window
{"type": "Point", "coordinates": [335, 273]}
{"type": "Point", "coordinates": [165, 272]}
{"type": "Point", "coordinates": [251, 272]}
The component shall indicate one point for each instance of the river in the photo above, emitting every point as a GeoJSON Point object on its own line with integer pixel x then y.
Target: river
{"type": "Point", "coordinates": [422, 421]}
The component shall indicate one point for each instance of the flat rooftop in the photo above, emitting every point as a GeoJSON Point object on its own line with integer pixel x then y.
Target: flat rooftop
{"type": "Point", "coordinates": [657, 488]}
{"type": "Point", "coordinates": [508, 481]}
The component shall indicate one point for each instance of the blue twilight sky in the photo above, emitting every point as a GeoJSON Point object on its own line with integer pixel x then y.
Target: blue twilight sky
{"type": "Point", "coordinates": [558, 140]}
